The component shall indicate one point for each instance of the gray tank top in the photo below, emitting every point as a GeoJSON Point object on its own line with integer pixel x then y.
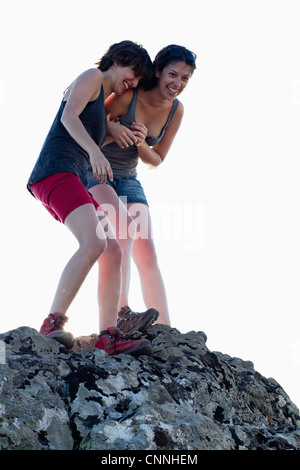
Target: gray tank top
{"type": "Point", "coordinates": [124, 161]}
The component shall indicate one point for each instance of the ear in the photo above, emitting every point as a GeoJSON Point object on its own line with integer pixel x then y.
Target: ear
{"type": "Point", "coordinates": [157, 73]}
{"type": "Point", "coordinates": [116, 63]}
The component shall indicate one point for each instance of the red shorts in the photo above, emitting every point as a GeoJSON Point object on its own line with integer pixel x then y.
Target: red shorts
{"type": "Point", "coordinates": [61, 193]}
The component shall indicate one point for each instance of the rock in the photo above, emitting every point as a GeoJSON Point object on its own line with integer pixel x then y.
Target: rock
{"type": "Point", "coordinates": [85, 342]}
{"type": "Point", "coordinates": [182, 397]}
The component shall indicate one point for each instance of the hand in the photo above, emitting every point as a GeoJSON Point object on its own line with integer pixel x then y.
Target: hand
{"type": "Point", "coordinates": [140, 131]}
{"type": "Point", "coordinates": [121, 134]}
{"type": "Point", "coordinates": [101, 166]}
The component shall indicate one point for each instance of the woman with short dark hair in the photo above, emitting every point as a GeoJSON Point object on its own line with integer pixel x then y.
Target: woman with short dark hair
{"type": "Point", "coordinates": [59, 181]}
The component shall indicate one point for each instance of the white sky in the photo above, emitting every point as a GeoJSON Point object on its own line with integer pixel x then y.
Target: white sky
{"type": "Point", "coordinates": [231, 179]}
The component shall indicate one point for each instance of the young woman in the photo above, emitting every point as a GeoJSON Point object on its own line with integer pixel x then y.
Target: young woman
{"type": "Point", "coordinates": [148, 120]}
{"type": "Point", "coordinates": [59, 181]}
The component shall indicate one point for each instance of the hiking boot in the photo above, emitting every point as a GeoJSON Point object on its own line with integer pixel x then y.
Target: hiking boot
{"type": "Point", "coordinates": [53, 327]}
{"type": "Point", "coordinates": [130, 322]}
{"type": "Point", "coordinates": [112, 342]}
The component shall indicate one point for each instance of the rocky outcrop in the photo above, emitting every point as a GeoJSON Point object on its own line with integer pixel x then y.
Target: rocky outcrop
{"type": "Point", "coordinates": [182, 397]}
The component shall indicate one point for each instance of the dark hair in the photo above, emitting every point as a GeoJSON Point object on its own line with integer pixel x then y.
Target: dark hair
{"type": "Point", "coordinates": [171, 53]}
{"type": "Point", "coordinates": [128, 54]}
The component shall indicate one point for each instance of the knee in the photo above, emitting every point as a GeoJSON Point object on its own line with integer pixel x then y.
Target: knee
{"type": "Point", "coordinates": [113, 253]}
{"type": "Point", "coordinates": [151, 260]}
{"type": "Point", "coordinates": [95, 250]}
{"type": "Point", "coordinates": [146, 256]}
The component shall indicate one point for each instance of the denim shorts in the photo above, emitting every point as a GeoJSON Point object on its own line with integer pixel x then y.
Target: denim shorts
{"type": "Point", "coordinates": [128, 189]}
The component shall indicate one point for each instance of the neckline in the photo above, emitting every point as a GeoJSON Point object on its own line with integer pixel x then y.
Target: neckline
{"type": "Point", "coordinates": [93, 101]}
{"type": "Point", "coordinates": [135, 95]}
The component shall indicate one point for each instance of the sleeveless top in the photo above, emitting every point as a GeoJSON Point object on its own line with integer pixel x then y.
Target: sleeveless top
{"type": "Point", "coordinates": [60, 152]}
{"type": "Point", "coordinates": [124, 161]}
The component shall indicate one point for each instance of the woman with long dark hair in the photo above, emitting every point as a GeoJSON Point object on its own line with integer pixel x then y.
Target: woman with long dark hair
{"type": "Point", "coordinates": [148, 119]}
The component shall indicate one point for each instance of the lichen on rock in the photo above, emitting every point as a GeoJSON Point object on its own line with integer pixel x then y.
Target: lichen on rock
{"type": "Point", "coordinates": [182, 397]}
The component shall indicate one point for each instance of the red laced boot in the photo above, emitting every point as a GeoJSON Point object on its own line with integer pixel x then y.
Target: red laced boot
{"type": "Point", "coordinates": [112, 342]}
{"type": "Point", "coordinates": [53, 327]}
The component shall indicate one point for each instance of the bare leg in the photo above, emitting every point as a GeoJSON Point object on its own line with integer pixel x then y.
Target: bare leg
{"type": "Point", "coordinates": [124, 228]}
{"type": "Point", "coordinates": [83, 223]}
{"type": "Point", "coordinates": [145, 258]}
{"type": "Point", "coordinates": [110, 278]}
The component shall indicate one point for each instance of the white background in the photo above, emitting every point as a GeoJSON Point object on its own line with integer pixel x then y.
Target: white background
{"type": "Point", "coordinates": [231, 178]}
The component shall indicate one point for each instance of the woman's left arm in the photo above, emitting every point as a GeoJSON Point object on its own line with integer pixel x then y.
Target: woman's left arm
{"type": "Point", "coordinates": [154, 156]}
{"type": "Point", "coordinates": [116, 106]}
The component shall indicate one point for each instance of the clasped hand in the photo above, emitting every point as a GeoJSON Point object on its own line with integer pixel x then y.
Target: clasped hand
{"type": "Point", "coordinates": [125, 137]}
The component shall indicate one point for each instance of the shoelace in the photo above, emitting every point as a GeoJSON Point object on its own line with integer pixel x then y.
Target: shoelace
{"type": "Point", "coordinates": [115, 336]}
{"type": "Point", "coordinates": [57, 322]}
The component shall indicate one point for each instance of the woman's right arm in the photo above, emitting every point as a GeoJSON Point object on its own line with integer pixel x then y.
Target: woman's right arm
{"type": "Point", "coordinates": [84, 89]}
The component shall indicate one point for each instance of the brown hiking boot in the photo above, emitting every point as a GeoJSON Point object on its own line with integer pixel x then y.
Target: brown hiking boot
{"type": "Point", "coordinates": [130, 322]}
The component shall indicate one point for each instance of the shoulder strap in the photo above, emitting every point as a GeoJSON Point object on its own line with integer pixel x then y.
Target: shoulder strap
{"type": "Point", "coordinates": [131, 110]}
{"type": "Point", "coordinates": [173, 111]}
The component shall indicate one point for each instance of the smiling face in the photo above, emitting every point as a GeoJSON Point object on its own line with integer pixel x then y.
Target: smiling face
{"type": "Point", "coordinates": [126, 78]}
{"type": "Point", "coordinates": [173, 79]}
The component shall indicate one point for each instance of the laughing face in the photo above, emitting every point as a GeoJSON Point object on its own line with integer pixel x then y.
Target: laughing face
{"type": "Point", "coordinates": [173, 79]}
{"type": "Point", "coordinates": [126, 79]}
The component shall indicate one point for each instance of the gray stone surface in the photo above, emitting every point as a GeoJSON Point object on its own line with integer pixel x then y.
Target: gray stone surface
{"type": "Point", "coordinates": [182, 397]}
